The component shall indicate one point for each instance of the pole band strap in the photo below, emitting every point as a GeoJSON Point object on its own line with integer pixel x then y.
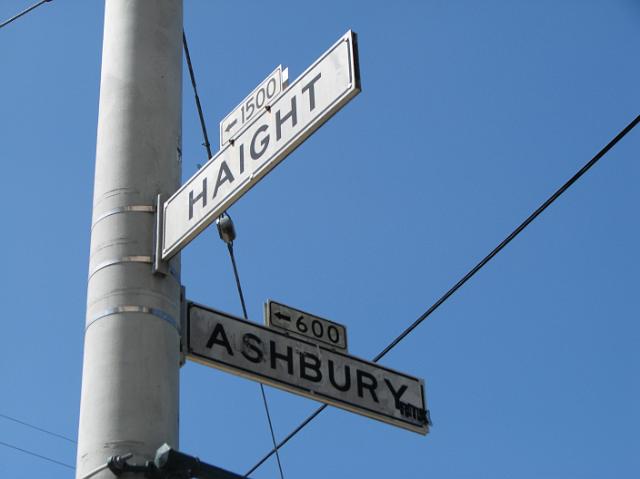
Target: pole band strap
{"type": "Point", "coordinates": [130, 259]}
{"type": "Point", "coordinates": [124, 209]}
{"type": "Point", "coordinates": [158, 313]}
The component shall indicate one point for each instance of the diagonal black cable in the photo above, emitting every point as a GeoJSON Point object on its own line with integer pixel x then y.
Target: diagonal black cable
{"type": "Point", "coordinates": [509, 238]}
{"type": "Point", "coordinates": [206, 143]}
{"type": "Point", "coordinates": [264, 395]}
{"type": "Point", "coordinates": [31, 453]}
{"type": "Point", "coordinates": [311, 417]}
{"type": "Point", "coordinates": [237, 277]}
{"type": "Point", "coordinates": [18, 421]}
{"type": "Point", "coordinates": [469, 275]}
{"type": "Point", "coordinates": [24, 12]}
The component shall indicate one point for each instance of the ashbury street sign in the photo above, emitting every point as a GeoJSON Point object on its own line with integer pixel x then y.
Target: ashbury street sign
{"type": "Point", "coordinates": [324, 88]}
{"type": "Point", "coordinates": [266, 355]}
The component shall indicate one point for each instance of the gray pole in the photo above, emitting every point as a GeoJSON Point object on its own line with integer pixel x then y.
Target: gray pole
{"type": "Point", "coordinates": [130, 378]}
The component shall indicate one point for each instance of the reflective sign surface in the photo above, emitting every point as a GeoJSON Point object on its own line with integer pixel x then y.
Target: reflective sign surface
{"type": "Point", "coordinates": [253, 351]}
{"type": "Point", "coordinates": [323, 89]}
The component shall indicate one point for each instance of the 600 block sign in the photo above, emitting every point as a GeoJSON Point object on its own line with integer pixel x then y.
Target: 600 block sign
{"type": "Point", "coordinates": [308, 326]}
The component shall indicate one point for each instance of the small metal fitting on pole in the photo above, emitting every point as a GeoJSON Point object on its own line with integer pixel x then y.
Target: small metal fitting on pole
{"type": "Point", "coordinates": [107, 465]}
{"type": "Point", "coordinates": [119, 465]}
{"type": "Point", "coordinates": [178, 464]}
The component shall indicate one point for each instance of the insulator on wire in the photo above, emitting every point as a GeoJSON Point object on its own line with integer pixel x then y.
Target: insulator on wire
{"type": "Point", "coordinates": [226, 230]}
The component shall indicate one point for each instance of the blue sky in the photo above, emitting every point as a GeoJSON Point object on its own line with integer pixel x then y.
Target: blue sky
{"type": "Point", "coordinates": [471, 114]}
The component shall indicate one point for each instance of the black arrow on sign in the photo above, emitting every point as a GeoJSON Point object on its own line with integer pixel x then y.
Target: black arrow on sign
{"type": "Point", "coordinates": [231, 125]}
{"type": "Point", "coordinates": [282, 316]}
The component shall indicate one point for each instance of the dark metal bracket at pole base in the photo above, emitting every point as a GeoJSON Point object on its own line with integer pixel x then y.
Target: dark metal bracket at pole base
{"type": "Point", "coordinates": [170, 464]}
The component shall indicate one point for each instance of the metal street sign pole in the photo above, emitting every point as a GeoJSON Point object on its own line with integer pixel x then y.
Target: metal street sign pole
{"type": "Point", "coordinates": [266, 355]}
{"type": "Point", "coordinates": [323, 89]}
{"type": "Point", "coordinates": [129, 401]}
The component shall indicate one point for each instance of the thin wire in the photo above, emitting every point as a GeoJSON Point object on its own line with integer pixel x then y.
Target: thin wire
{"type": "Point", "coordinates": [273, 436]}
{"type": "Point", "coordinates": [264, 395]}
{"type": "Point", "coordinates": [230, 244]}
{"type": "Point", "coordinates": [470, 274]}
{"type": "Point", "coordinates": [237, 276]}
{"type": "Point", "coordinates": [286, 439]}
{"type": "Point", "coordinates": [24, 12]}
{"type": "Point", "coordinates": [60, 436]}
{"type": "Point", "coordinates": [206, 143]}
{"type": "Point", "coordinates": [509, 238]}
{"type": "Point", "coordinates": [31, 453]}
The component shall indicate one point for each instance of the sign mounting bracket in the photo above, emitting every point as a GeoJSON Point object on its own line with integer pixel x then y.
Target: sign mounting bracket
{"type": "Point", "coordinates": [159, 266]}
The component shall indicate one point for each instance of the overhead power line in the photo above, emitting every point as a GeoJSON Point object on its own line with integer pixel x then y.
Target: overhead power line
{"type": "Point", "coordinates": [227, 234]}
{"type": "Point", "coordinates": [54, 434]}
{"type": "Point", "coordinates": [227, 239]}
{"type": "Point", "coordinates": [34, 454]}
{"type": "Point", "coordinates": [469, 275]}
{"type": "Point", "coordinates": [192, 75]}
{"type": "Point", "coordinates": [24, 12]}
{"type": "Point", "coordinates": [509, 238]}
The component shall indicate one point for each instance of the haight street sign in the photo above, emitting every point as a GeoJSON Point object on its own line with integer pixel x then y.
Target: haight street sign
{"type": "Point", "coordinates": [252, 105]}
{"type": "Point", "coordinates": [306, 326]}
{"type": "Point", "coordinates": [256, 352]}
{"type": "Point", "coordinates": [323, 89]}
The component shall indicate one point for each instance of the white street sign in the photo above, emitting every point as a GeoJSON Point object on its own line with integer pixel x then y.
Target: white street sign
{"type": "Point", "coordinates": [307, 326]}
{"type": "Point", "coordinates": [266, 355]}
{"type": "Point", "coordinates": [252, 105]}
{"type": "Point", "coordinates": [323, 89]}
